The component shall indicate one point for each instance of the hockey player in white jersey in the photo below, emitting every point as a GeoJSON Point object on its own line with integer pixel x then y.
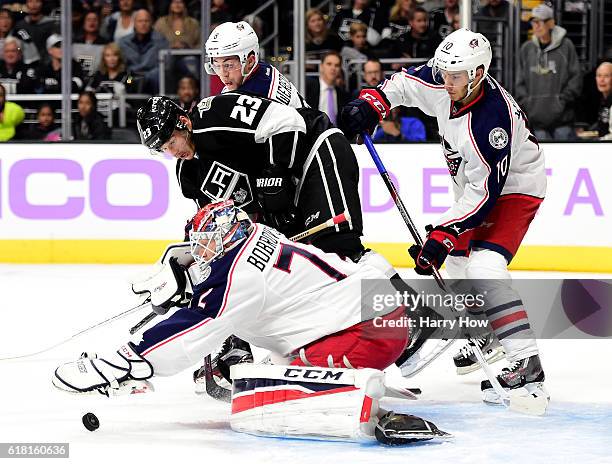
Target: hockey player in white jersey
{"type": "Point", "coordinates": [499, 181]}
{"type": "Point", "coordinates": [232, 53]}
{"type": "Point", "coordinates": [292, 299]}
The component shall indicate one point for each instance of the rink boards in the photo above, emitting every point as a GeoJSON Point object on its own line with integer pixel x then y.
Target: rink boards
{"type": "Point", "coordinates": [111, 203]}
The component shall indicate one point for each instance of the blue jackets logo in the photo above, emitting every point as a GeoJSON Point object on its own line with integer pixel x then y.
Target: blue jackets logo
{"type": "Point", "coordinates": [498, 138]}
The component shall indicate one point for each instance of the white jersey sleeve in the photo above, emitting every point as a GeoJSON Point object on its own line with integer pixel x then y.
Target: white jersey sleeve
{"type": "Point", "coordinates": [414, 87]}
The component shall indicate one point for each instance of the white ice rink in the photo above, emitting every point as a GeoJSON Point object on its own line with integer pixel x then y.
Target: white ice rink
{"type": "Point", "coordinates": [41, 305]}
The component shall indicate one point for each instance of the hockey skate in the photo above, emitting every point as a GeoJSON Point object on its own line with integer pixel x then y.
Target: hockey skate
{"type": "Point", "coordinates": [426, 343]}
{"type": "Point", "coordinates": [465, 360]}
{"type": "Point", "coordinates": [233, 351]}
{"type": "Point", "coordinates": [402, 429]}
{"type": "Point", "coordinates": [523, 380]}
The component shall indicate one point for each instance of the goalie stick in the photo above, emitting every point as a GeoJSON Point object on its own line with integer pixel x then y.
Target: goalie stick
{"type": "Point", "coordinates": [144, 321]}
{"type": "Point", "coordinates": [78, 334]}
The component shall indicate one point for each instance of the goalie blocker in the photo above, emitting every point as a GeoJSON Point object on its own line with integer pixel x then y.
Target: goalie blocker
{"type": "Point", "coordinates": [318, 402]}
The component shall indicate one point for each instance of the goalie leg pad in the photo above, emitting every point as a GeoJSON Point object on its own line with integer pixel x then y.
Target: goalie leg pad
{"type": "Point", "coordinates": [306, 402]}
{"type": "Point", "coordinates": [90, 374]}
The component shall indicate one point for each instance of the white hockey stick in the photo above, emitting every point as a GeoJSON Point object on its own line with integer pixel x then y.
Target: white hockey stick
{"type": "Point", "coordinates": [78, 334]}
{"type": "Point", "coordinates": [503, 394]}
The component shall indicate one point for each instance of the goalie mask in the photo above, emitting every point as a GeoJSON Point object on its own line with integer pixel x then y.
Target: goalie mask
{"type": "Point", "coordinates": [217, 228]}
{"type": "Point", "coordinates": [156, 120]}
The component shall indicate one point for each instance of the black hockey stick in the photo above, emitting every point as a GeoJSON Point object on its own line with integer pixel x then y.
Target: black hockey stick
{"type": "Point", "coordinates": [213, 389]}
{"type": "Point", "coordinates": [78, 334]}
{"type": "Point", "coordinates": [337, 219]}
{"type": "Point", "coordinates": [145, 320]}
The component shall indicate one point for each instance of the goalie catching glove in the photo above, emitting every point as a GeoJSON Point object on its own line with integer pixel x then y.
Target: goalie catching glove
{"type": "Point", "coordinates": [440, 242]}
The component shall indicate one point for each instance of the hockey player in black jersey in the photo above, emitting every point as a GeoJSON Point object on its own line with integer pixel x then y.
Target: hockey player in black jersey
{"type": "Point", "coordinates": [232, 53]}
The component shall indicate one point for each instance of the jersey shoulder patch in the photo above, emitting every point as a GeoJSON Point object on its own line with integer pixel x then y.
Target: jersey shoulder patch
{"type": "Point", "coordinates": [209, 293]}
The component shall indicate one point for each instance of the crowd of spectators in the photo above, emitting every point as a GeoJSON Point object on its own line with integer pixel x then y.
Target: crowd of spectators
{"type": "Point", "coordinates": [117, 42]}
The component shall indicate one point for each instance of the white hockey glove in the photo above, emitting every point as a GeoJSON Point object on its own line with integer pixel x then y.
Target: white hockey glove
{"type": "Point", "coordinates": [124, 372]}
{"type": "Point", "coordinates": [169, 285]}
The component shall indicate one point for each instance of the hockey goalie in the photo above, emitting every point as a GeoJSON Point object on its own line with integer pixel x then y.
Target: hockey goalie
{"type": "Point", "coordinates": [302, 304]}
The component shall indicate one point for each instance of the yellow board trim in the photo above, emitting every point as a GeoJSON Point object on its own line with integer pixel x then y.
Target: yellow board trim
{"type": "Point", "coordinates": [82, 251]}
{"type": "Point", "coordinates": [540, 258]}
{"type": "Point", "coordinates": [528, 258]}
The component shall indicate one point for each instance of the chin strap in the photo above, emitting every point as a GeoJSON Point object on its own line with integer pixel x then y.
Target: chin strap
{"type": "Point", "coordinates": [470, 90]}
{"type": "Point", "coordinates": [246, 76]}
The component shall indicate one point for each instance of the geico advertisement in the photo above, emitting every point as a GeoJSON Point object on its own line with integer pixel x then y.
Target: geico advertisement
{"type": "Point", "coordinates": [89, 191]}
{"type": "Point", "coordinates": [74, 191]}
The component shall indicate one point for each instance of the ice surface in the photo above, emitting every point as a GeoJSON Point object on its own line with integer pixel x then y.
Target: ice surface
{"type": "Point", "coordinates": [41, 305]}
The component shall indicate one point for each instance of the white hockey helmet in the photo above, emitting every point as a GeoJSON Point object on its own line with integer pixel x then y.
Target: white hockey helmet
{"type": "Point", "coordinates": [462, 50]}
{"type": "Point", "coordinates": [229, 39]}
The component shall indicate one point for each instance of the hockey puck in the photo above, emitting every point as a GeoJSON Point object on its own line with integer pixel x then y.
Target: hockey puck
{"type": "Point", "coordinates": [91, 422]}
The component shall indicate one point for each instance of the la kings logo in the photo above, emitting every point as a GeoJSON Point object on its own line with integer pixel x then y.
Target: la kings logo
{"type": "Point", "coordinates": [224, 183]}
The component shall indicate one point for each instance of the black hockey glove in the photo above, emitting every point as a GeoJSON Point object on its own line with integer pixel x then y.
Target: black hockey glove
{"type": "Point", "coordinates": [275, 193]}
{"type": "Point", "coordinates": [364, 113]}
{"type": "Point", "coordinates": [440, 242]}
